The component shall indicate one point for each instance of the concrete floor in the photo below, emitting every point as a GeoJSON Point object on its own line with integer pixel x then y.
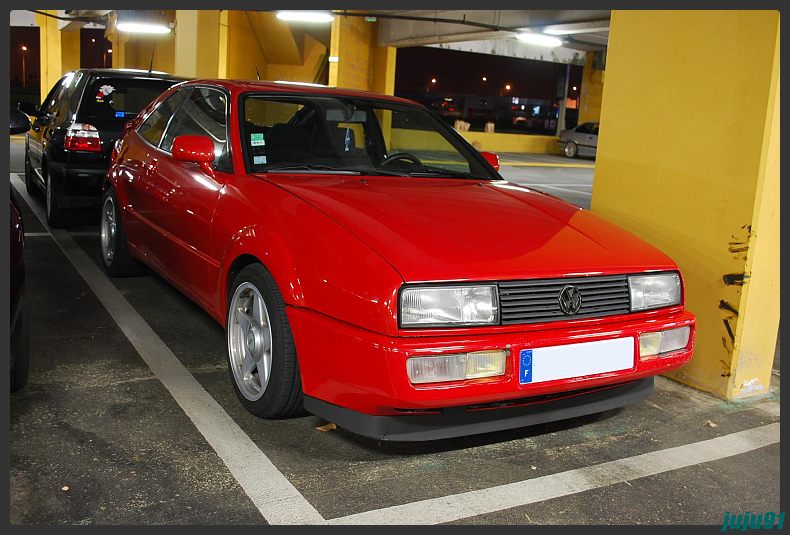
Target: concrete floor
{"type": "Point", "coordinates": [97, 437]}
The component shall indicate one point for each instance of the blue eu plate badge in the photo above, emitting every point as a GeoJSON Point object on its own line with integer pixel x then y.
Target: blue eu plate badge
{"type": "Point", "coordinates": [525, 366]}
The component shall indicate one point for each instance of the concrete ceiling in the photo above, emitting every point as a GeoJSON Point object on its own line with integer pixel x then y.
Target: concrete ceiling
{"type": "Point", "coordinates": [580, 30]}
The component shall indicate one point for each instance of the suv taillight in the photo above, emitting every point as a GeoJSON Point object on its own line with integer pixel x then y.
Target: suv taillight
{"type": "Point", "coordinates": [83, 137]}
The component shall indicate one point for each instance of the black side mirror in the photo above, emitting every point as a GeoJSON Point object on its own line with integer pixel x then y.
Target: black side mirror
{"type": "Point", "coordinates": [20, 122]}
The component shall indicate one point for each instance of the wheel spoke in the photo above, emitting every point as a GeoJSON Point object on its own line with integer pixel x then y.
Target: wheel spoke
{"type": "Point", "coordinates": [244, 320]}
{"type": "Point", "coordinates": [257, 310]}
{"type": "Point", "coordinates": [264, 366]}
{"type": "Point", "coordinates": [247, 365]}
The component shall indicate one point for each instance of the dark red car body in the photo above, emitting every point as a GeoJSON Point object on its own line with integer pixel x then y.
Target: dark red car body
{"type": "Point", "coordinates": [340, 248]}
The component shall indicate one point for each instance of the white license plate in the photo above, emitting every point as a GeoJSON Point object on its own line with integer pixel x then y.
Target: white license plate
{"type": "Point", "coordinates": [542, 364]}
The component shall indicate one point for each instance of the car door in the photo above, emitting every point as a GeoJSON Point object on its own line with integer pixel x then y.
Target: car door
{"type": "Point", "coordinates": [195, 192]}
{"type": "Point", "coordinates": [147, 193]}
{"type": "Point", "coordinates": [594, 144]}
{"type": "Point", "coordinates": [41, 128]}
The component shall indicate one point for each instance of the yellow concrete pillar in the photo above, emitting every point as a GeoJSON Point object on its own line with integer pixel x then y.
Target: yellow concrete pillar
{"type": "Point", "coordinates": [197, 43]}
{"type": "Point", "coordinates": [60, 51]}
{"type": "Point", "coordinates": [688, 158]}
{"type": "Point", "coordinates": [591, 92]}
{"type": "Point", "coordinates": [361, 64]}
{"type": "Point", "coordinates": [224, 44]}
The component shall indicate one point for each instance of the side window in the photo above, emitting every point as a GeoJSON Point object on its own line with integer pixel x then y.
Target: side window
{"type": "Point", "coordinates": [584, 128]}
{"type": "Point", "coordinates": [595, 130]}
{"type": "Point", "coordinates": [154, 126]}
{"type": "Point", "coordinates": [50, 103]}
{"type": "Point", "coordinates": [204, 113]}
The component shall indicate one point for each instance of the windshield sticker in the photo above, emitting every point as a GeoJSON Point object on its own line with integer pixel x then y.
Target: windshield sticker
{"type": "Point", "coordinates": [104, 91]}
{"type": "Point", "coordinates": [256, 140]}
{"type": "Point", "coordinates": [258, 160]}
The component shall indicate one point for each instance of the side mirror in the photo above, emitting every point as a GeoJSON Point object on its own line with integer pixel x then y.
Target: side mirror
{"type": "Point", "coordinates": [195, 149]}
{"type": "Point", "coordinates": [491, 158]}
{"type": "Point", "coordinates": [20, 122]}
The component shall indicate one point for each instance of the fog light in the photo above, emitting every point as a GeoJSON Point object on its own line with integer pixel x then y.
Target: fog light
{"type": "Point", "coordinates": [456, 367]}
{"type": "Point", "coordinates": [649, 344]}
{"type": "Point", "coordinates": [659, 343]}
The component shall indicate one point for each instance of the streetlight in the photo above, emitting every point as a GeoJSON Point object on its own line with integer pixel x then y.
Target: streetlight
{"type": "Point", "coordinates": [428, 86]}
{"type": "Point", "coordinates": [24, 49]}
{"type": "Point", "coordinates": [484, 78]}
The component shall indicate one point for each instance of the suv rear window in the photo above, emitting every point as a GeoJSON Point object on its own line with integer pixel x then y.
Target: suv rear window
{"type": "Point", "coordinates": [119, 99]}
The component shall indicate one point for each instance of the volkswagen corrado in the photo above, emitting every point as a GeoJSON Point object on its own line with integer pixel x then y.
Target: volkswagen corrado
{"type": "Point", "coordinates": [370, 267]}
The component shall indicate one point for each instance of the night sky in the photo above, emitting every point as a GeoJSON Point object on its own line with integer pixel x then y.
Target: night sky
{"type": "Point", "coordinates": [462, 72]}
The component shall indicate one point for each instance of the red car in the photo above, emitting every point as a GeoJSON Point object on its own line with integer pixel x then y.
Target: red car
{"type": "Point", "coordinates": [370, 267]}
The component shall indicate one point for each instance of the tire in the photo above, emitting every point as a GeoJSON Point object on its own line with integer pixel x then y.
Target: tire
{"type": "Point", "coordinates": [257, 327]}
{"type": "Point", "coordinates": [30, 186]}
{"type": "Point", "coordinates": [112, 240]}
{"type": "Point", "coordinates": [56, 216]}
{"type": "Point", "coordinates": [571, 150]}
{"type": "Point", "coordinates": [19, 371]}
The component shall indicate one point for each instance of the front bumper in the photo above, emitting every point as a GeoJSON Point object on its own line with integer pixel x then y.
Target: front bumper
{"type": "Point", "coordinates": [365, 372]}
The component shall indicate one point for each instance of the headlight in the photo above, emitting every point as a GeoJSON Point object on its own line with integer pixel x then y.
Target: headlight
{"type": "Point", "coordinates": [654, 291]}
{"type": "Point", "coordinates": [449, 305]}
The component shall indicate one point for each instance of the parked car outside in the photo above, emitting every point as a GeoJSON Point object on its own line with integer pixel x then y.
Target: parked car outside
{"type": "Point", "coordinates": [20, 352]}
{"type": "Point", "coordinates": [68, 148]}
{"type": "Point", "coordinates": [581, 140]}
{"type": "Point", "coordinates": [371, 267]}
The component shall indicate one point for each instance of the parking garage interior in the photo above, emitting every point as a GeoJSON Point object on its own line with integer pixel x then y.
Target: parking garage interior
{"type": "Point", "coordinates": [128, 417]}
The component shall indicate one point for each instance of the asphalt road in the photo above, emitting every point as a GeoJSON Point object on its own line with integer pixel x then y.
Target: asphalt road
{"type": "Point", "coordinates": [109, 431]}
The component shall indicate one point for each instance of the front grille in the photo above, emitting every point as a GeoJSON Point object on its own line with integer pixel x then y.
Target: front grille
{"type": "Point", "coordinates": [537, 300]}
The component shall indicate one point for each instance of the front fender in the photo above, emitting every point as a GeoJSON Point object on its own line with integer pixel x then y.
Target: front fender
{"type": "Point", "coordinates": [316, 263]}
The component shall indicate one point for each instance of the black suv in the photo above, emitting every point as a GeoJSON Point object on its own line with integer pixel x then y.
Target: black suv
{"type": "Point", "coordinates": [69, 146]}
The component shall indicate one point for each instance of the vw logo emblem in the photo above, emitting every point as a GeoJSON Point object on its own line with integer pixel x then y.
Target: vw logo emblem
{"type": "Point", "coordinates": [570, 300]}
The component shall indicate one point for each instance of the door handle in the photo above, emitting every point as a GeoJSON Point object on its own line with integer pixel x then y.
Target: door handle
{"type": "Point", "coordinates": [150, 167]}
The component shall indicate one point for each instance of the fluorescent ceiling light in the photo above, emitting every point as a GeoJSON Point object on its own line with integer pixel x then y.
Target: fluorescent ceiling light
{"type": "Point", "coordinates": [136, 27]}
{"type": "Point", "coordinates": [305, 16]}
{"type": "Point", "coordinates": [334, 59]}
{"type": "Point", "coordinates": [539, 39]}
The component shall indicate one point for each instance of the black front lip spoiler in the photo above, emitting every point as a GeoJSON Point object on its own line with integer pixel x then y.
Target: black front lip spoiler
{"type": "Point", "coordinates": [461, 421]}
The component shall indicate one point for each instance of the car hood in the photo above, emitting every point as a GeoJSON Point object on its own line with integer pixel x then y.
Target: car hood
{"type": "Point", "coordinates": [457, 230]}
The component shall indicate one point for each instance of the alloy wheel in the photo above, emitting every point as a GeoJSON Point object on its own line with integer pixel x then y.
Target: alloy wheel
{"type": "Point", "coordinates": [250, 341]}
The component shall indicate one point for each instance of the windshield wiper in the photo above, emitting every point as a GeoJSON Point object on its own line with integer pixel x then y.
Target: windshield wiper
{"type": "Point", "coordinates": [436, 172]}
{"type": "Point", "coordinates": [312, 168]}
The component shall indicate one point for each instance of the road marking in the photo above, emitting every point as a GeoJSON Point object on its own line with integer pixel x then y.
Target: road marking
{"type": "Point", "coordinates": [530, 184]}
{"type": "Point", "coordinates": [563, 189]}
{"type": "Point", "coordinates": [275, 497]}
{"type": "Point", "coordinates": [540, 164]}
{"type": "Point", "coordinates": [479, 502]}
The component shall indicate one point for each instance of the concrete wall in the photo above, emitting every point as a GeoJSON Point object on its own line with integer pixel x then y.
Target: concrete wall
{"type": "Point", "coordinates": [591, 92]}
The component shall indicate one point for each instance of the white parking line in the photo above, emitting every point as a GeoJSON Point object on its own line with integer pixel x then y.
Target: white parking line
{"type": "Point", "coordinates": [468, 504]}
{"type": "Point", "coordinates": [551, 186]}
{"type": "Point", "coordinates": [275, 497]}
{"type": "Point", "coordinates": [281, 503]}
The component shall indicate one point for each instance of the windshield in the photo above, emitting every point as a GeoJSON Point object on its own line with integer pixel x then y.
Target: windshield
{"type": "Point", "coordinates": [326, 134]}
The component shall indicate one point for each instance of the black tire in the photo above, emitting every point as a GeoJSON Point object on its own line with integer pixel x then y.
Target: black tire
{"type": "Point", "coordinates": [57, 217]}
{"type": "Point", "coordinates": [30, 186]}
{"type": "Point", "coordinates": [120, 263]}
{"type": "Point", "coordinates": [282, 397]}
{"type": "Point", "coordinates": [19, 370]}
{"type": "Point", "coordinates": [571, 150]}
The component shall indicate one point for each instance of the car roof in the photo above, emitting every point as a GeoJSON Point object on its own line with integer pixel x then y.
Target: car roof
{"type": "Point", "coordinates": [137, 73]}
{"type": "Point", "coordinates": [297, 87]}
